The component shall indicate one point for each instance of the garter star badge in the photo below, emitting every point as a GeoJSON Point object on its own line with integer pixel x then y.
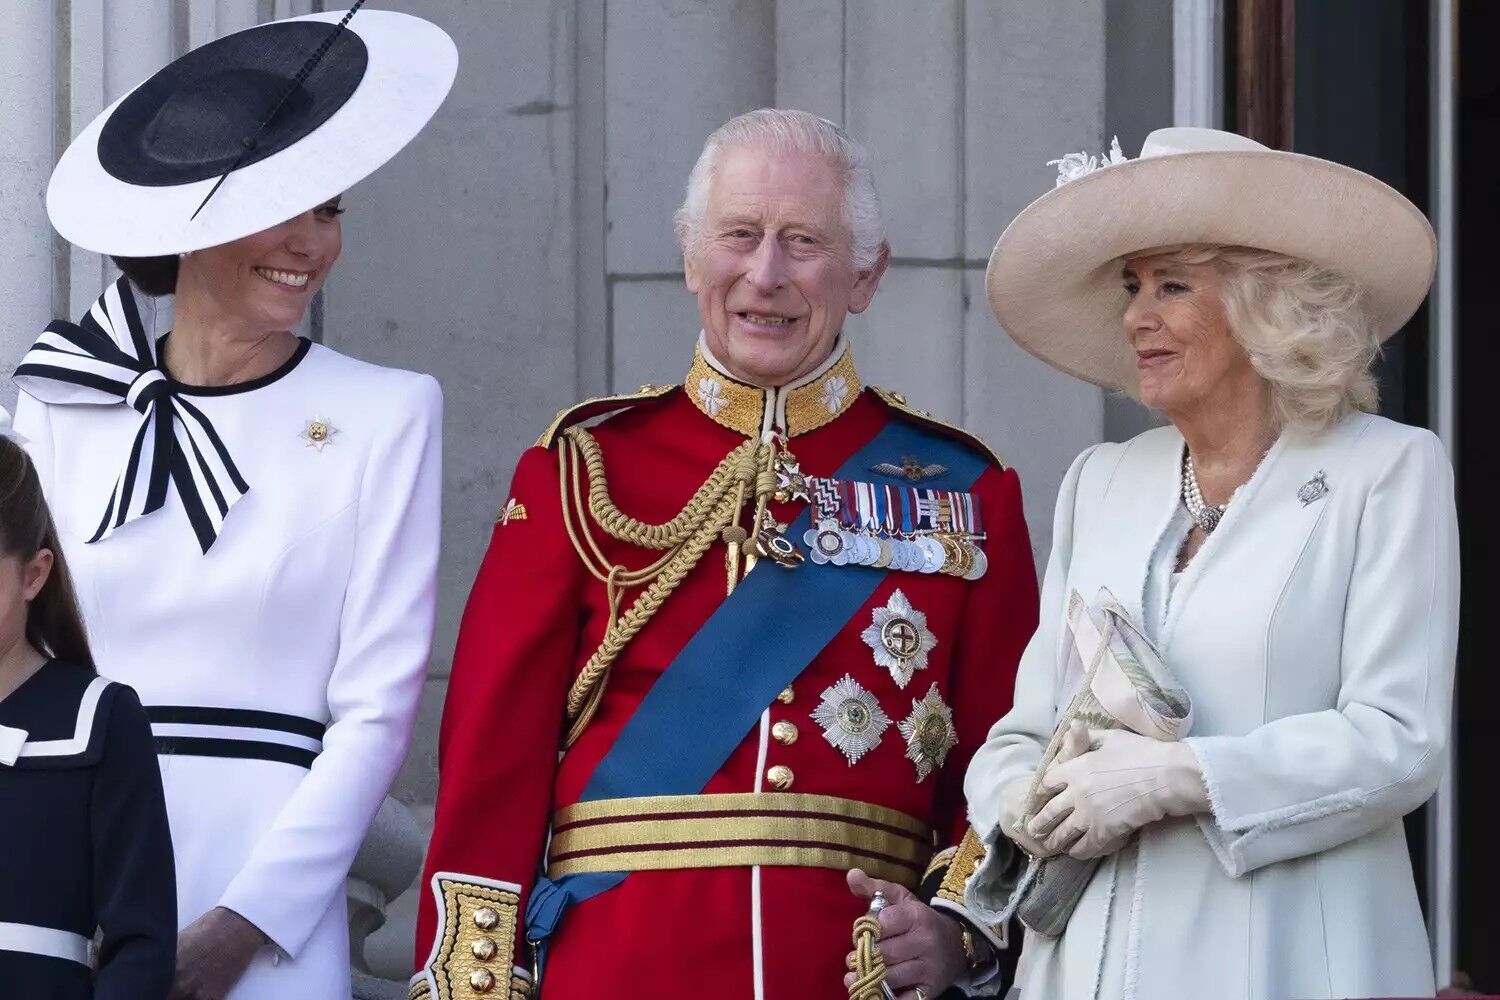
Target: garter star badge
{"type": "Point", "coordinates": [851, 719]}
{"type": "Point", "coordinates": [900, 638]}
{"type": "Point", "coordinates": [929, 733]}
{"type": "Point", "coordinates": [318, 433]}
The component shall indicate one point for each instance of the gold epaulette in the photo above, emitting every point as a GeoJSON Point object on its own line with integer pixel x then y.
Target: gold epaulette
{"type": "Point", "coordinates": [598, 406]}
{"type": "Point", "coordinates": [898, 402]}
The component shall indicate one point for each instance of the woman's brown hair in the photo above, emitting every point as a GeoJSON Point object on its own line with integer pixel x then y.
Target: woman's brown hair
{"type": "Point", "coordinates": [53, 624]}
{"type": "Point", "coordinates": [156, 276]}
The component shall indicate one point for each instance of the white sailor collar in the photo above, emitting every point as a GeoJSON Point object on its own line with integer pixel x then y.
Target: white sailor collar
{"type": "Point", "coordinates": [56, 744]}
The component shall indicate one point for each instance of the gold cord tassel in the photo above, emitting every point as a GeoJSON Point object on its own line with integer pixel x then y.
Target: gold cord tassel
{"type": "Point", "coordinates": [869, 964]}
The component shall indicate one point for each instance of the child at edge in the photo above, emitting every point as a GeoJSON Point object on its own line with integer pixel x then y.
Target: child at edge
{"type": "Point", "coordinates": [87, 896]}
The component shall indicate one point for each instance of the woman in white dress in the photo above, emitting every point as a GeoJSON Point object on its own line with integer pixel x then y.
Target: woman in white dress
{"type": "Point", "coordinates": [1292, 556]}
{"type": "Point", "coordinates": [252, 518]}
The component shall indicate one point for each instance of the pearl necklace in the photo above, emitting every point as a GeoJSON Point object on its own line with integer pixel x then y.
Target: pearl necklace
{"type": "Point", "coordinates": [1205, 516]}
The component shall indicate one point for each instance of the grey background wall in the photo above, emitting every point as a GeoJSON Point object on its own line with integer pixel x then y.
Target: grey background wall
{"type": "Point", "coordinates": [521, 249]}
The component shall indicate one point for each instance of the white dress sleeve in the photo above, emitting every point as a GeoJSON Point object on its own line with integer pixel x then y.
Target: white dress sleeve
{"type": "Point", "coordinates": [385, 636]}
{"type": "Point", "coordinates": [1016, 743]}
{"type": "Point", "coordinates": [1379, 752]}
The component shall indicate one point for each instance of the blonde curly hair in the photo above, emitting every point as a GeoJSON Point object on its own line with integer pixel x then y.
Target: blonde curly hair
{"type": "Point", "coordinates": [1303, 327]}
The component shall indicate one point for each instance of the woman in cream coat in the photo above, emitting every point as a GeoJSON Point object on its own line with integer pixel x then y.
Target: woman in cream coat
{"type": "Point", "coordinates": [1293, 557]}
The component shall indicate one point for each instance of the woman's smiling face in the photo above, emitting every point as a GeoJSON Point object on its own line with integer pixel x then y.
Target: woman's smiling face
{"type": "Point", "coordinates": [1176, 323]}
{"type": "Point", "coordinates": [268, 279]}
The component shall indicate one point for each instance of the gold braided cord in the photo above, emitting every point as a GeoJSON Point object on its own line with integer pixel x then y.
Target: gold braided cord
{"type": "Point", "coordinates": [869, 964]}
{"type": "Point", "coordinates": [614, 576]}
{"type": "Point", "coordinates": [714, 508]}
{"type": "Point", "coordinates": [588, 687]}
{"type": "Point", "coordinates": [657, 536]}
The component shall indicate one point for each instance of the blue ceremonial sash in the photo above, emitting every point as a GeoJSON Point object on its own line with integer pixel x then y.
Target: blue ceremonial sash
{"type": "Point", "coordinates": [756, 643]}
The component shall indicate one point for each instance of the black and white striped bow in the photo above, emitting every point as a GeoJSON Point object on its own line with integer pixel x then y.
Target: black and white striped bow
{"type": "Point", "coordinates": [108, 359]}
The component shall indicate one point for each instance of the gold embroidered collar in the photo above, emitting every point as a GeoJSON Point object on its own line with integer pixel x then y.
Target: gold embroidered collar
{"type": "Point", "coordinates": [795, 408]}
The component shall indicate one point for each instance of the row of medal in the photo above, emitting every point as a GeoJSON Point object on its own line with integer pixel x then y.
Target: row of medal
{"type": "Point", "coordinates": [894, 527]}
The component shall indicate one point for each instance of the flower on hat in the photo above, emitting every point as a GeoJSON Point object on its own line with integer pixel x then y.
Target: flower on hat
{"type": "Point", "coordinates": [1075, 165]}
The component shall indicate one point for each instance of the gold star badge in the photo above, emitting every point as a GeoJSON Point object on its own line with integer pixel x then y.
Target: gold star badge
{"type": "Point", "coordinates": [318, 433]}
{"type": "Point", "coordinates": [929, 733]}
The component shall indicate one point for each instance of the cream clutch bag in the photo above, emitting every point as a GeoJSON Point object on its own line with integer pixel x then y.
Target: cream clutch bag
{"type": "Point", "coordinates": [1110, 677]}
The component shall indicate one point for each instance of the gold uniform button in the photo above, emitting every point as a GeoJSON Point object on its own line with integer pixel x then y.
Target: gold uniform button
{"type": "Point", "coordinates": [780, 777]}
{"type": "Point", "coordinates": [786, 696]}
{"type": "Point", "coordinates": [481, 981]}
{"type": "Point", "coordinates": [484, 949]}
{"type": "Point", "coordinates": [784, 732]}
{"type": "Point", "coordinates": [486, 918]}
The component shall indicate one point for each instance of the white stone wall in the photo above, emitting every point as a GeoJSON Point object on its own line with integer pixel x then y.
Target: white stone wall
{"type": "Point", "coordinates": [521, 250]}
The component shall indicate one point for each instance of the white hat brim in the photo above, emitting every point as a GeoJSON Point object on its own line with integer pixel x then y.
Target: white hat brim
{"type": "Point", "coordinates": [412, 65]}
{"type": "Point", "coordinates": [1054, 278]}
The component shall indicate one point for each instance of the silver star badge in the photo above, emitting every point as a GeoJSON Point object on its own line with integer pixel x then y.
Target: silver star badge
{"type": "Point", "coordinates": [900, 638]}
{"type": "Point", "coordinates": [318, 433]}
{"type": "Point", "coordinates": [851, 719]}
{"type": "Point", "coordinates": [929, 733]}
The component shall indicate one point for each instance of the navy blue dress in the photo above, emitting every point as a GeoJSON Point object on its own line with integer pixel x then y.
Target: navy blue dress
{"type": "Point", "coordinates": [84, 844]}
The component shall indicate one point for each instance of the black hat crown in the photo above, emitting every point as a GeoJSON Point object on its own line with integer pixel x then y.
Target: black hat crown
{"type": "Point", "coordinates": [231, 103]}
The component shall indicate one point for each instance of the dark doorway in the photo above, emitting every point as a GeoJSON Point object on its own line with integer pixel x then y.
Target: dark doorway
{"type": "Point", "coordinates": [1478, 699]}
{"type": "Point", "coordinates": [1354, 85]}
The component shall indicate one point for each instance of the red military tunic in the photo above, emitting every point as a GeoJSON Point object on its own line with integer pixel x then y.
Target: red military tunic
{"type": "Point", "coordinates": [536, 615]}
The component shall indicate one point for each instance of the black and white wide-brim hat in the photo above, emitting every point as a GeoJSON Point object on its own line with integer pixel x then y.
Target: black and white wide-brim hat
{"type": "Point", "coordinates": [133, 182]}
{"type": "Point", "coordinates": [1054, 278]}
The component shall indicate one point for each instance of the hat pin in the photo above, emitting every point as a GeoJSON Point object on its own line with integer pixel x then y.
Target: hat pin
{"type": "Point", "coordinates": [248, 143]}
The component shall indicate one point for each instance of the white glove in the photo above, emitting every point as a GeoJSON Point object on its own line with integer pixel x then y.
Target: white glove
{"type": "Point", "coordinates": [1124, 783]}
{"type": "Point", "coordinates": [1015, 801]}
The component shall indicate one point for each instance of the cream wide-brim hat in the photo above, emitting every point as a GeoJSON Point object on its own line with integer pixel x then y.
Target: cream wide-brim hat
{"type": "Point", "coordinates": [1054, 278]}
{"type": "Point", "coordinates": [401, 68]}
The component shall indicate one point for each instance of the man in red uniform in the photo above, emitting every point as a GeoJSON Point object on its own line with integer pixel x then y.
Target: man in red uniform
{"type": "Point", "coordinates": [767, 615]}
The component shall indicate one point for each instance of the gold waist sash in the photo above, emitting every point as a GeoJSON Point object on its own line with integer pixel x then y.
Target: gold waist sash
{"type": "Point", "coordinates": [656, 833]}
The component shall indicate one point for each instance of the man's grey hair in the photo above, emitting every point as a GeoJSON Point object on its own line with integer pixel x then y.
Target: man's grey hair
{"type": "Point", "coordinates": [805, 133]}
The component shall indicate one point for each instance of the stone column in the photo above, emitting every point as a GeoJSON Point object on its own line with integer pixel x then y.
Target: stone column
{"type": "Point", "coordinates": [27, 140]}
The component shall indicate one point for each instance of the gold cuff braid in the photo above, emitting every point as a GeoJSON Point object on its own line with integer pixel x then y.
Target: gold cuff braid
{"type": "Point", "coordinates": [956, 866]}
{"type": "Point", "coordinates": [942, 859]}
{"type": "Point", "coordinates": [476, 940]}
{"type": "Point", "coordinates": [520, 989]}
{"type": "Point", "coordinates": [966, 857]}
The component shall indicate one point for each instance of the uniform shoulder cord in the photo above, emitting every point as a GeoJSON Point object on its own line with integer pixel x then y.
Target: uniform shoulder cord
{"type": "Point", "coordinates": [712, 513]}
